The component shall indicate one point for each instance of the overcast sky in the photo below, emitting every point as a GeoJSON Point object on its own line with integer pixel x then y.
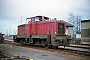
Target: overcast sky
{"type": "Point", "coordinates": [12, 10]}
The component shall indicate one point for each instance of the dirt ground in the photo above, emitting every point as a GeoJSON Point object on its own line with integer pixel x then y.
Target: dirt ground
{"type": "Point", "coordinates": [37, 54]}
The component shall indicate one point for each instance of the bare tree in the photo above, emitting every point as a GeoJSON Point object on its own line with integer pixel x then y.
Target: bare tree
{"type": "Point", "coordinates": [75, 20]}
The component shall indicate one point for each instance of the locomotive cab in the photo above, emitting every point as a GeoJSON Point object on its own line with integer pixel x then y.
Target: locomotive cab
{"type": "Point", "coordinates": [37, 18]}
{"type": "Point", "coordinates": [58, 36]}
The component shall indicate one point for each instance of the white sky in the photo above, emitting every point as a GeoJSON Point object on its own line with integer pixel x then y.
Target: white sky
{"type": "Point", "coordinates": [12, 10]}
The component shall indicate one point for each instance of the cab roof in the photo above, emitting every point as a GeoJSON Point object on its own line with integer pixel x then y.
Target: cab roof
{"type": "Point", "coordinates": [38, 16]}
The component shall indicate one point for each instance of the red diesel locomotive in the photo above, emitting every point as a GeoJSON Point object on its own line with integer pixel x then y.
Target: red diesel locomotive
{"type": "Point", "coordinates": [43, 31]}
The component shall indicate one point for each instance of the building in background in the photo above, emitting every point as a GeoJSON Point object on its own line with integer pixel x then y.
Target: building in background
{"type": "Point", "coordinates": [69, 30]}
{"type": "Point", "coordinates": [85, 32]}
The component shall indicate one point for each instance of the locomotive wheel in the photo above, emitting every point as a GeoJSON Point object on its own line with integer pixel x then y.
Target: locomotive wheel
{"type": "Point", "coordinates": [44, 43]}
{"type": "Point", "coordinates": [68, 43]}
{"type": "Point", "coordinates": [50, 46]}
{"type": "Point", "coordinates": [21, 41]}
{"type": "Point", "coordinates": [56, 47]}
{"type": "Point", "coordinates": [53, 47]}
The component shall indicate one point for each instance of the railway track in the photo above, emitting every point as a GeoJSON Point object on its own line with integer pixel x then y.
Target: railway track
{"type": "Point", "coordinates": [84, 49]}
{"type": "Point", "coordinates": [73, 48]}
{"type": "Point", "coordinates": [80, 46]}
{"type": "Point", "coordinates": [77, 50]}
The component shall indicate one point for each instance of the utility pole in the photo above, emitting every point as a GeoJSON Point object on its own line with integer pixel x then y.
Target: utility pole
{"type": "Point", "coordinates": [21, 19]}
{"type": "Point", "coordinates": [7, 32]}
{"type": "Point", "coordinates": [13, 31]}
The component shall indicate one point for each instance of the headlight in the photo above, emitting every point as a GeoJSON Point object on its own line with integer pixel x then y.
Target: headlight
{"type": "Point", "coordinates": [3, 35]}
{"type": "Point", "coordinates": [55, 32]}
